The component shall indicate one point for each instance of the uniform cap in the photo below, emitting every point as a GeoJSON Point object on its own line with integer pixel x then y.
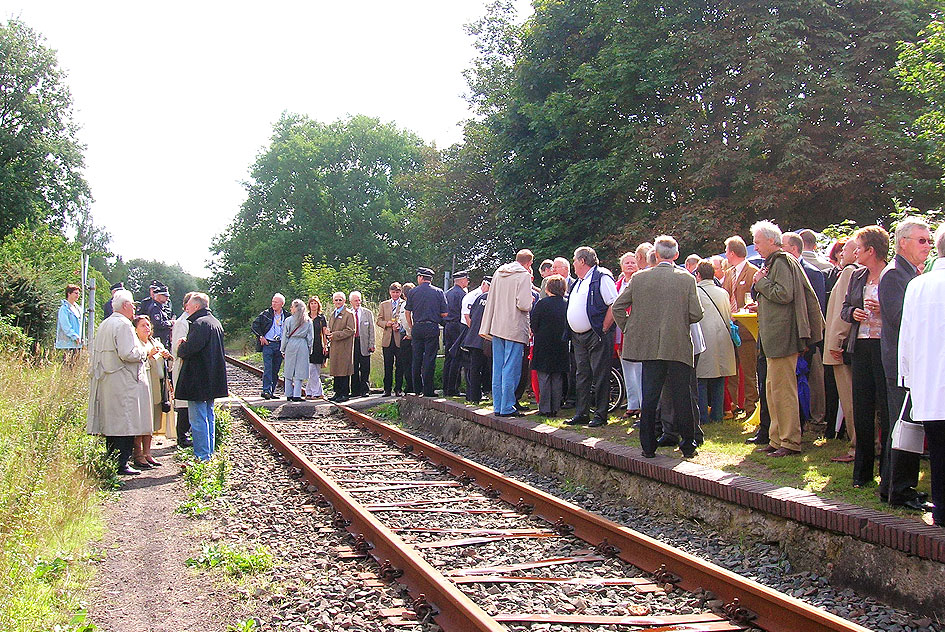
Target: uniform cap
{"type": "Point", "coordinates": [160, 288]}
{"type": "Point", "coordinates": [425, 272]}
{"type": "Point", "coordinates": [462, 274]}
{"type": "Point", "coordinates": [487, 279]}
{"type": "Point", "coordinates": [117, 286]}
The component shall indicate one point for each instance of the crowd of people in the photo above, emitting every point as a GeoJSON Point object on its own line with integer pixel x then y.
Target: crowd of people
{"type": "Point", "coordinates": [144, 363]}
{"type": "Point", "coordinates": [826, 348]}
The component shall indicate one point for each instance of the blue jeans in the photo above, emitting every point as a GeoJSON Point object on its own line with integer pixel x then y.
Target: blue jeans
{"type": "Point", "coordinates": [202, 428]}
{"type": "Point", "coordinates": [272, 362]}
{"type": "Point", "coordinates": [633, 378]}
{"type": "Point", "coordinates": [711, 394]}
{"type": "Point", "coordinates": [506, 372]}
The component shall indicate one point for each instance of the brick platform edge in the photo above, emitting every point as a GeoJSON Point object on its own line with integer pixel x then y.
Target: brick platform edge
{"type": "Point", "coordinates": [891, 558]}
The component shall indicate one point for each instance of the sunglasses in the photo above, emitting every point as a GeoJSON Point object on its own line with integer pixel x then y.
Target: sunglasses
{"type": "Point", "coordinates": [922, 240]}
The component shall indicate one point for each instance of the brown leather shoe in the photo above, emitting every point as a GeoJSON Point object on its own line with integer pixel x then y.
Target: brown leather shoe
{"type": "Point", "coordinates": [766, 448]}
{"type": "Point", "coordinates": [784, 452]}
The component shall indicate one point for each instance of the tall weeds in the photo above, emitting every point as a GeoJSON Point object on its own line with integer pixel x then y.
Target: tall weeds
{"type": "Point", "coordinates": [49, 472]}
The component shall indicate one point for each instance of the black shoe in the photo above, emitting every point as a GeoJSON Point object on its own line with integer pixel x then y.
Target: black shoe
{"type": "Point", "coordinates": [915, 504]}
{"type": "Point", "coordinates": [688, 451]}
{"type": "Point", "coordinates": [521, 407]}
{"type": "Point", "coordinates": [184, 442]}
{"type": "Point", "coordinates": [758, 440]}
{"type": "Point", "coordinates": [649, 455]}
{"type": "Point", "coordinates": [398, 393]}
{"type": "Point", "coordinates": [386, 394]}
{"type": "Point", "coordinates": [578, 420]}
{"type": "Point", "coordinates": [597, 422]}
{"type": "Point", "coordinates": [266, 395]}
{"type": "Point", "coordinates": [666, 441]}
{"type": "Point", "coordinates": [127, 470]}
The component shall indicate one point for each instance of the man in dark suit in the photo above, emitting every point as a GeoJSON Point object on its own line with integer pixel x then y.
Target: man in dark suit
{"type": "Point", "coordinates": [664, 298]}
{"type": "Point", "coordinates": [899, 471]}
{"type": "Point", "coordinates": [452, 328]}
{"type": "Point", "coordinates": [794, 245]}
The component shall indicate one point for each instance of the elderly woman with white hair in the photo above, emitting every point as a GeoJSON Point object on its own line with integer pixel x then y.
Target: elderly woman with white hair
{"type": "Point", "coordinates": [297, 339]}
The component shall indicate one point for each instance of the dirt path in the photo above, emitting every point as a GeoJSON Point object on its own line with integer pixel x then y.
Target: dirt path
{"type": "Point", "coordinates": [143, 583]}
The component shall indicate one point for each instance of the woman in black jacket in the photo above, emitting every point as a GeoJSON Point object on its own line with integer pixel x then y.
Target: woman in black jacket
{"type": "Point", "coordinates": [861, 309]}
{"type": "Point", "coordinates": [549, 321]}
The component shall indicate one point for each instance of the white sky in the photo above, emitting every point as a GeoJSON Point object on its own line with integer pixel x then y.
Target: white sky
{"type": "Point", "coordinates": [177, 99]}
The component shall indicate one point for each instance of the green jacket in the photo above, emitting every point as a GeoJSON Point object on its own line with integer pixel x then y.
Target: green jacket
{"type": "Point", "coordinates": [789, 316]}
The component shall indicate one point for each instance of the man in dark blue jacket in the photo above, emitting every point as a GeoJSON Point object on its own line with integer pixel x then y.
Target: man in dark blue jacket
{"type": "Point", "coordinates": [899, 471]}
{"type": "Point", "coordinates": [452, 329]}
{"type": "Point", "coordinates": [203, 373]}
{"type": "Point", "coordinates": [268, 331]}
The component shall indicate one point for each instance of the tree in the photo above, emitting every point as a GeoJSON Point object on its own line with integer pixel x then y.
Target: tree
{"type": "Point", "coordinates": [324, 191]}
{"type": "Point", "coordinates": [921, 70]}
{"type": "Point", "coordinates": [141, 272]}
{"type": "Point", "coordinates": [627, 119]}
{"type": "Point", "coordinates": [41, 160]}
{"type": "Point", "coordinates": [323, 280]}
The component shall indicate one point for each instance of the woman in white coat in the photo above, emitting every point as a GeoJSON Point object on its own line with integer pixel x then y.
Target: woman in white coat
{"type": "Point", "coordinates": [297, 339]}
{"type": "Point", "coordinates": [718, 360]}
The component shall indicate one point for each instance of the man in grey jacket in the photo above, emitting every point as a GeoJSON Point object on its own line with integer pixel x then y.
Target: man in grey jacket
{"type": "Point", "coordinates": [664, 304]}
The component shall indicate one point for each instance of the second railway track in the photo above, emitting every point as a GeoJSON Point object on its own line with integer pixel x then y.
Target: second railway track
{"type": "Point", "coordinates": [480, 551]}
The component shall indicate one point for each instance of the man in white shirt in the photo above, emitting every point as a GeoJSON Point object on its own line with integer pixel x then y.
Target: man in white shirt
{"type": "Point", "coordinates": [472, 296]}
{"type": "Point", "coordinates": [922, 365]}
{"type": "Point", "coordinates": [592, 336]}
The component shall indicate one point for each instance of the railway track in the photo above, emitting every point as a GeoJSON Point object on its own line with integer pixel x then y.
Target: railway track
{"type": "Point", "coordinates": [479, 551]}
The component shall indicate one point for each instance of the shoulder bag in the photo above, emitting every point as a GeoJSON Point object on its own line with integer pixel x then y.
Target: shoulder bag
{"type": "Point", "coordinates": [908, 435]}
{"type": "Point", "coordinates": [732, 327]}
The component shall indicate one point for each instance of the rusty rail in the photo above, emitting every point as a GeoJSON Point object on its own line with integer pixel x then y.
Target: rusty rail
{"type": "Point", "coordinates": [746, 601]}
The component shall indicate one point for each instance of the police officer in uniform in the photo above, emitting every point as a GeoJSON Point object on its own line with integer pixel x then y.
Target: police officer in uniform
{"type": "Point", "coordinates": [158, 311]}
{"type": "Point", "coordinates": [425, 310]}
{"type": "Point", "coordinates": [452, 330]}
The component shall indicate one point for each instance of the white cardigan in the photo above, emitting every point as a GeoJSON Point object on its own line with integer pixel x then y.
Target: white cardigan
{"type": "Point", "coordinates": [921, 355]}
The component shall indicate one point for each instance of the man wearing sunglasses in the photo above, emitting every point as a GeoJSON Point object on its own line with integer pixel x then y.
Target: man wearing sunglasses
{"type": "Point", "coordinates": [899, 473]}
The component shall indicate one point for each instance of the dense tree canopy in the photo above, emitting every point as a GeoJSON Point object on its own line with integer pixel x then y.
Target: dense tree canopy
{"type": "Point", "coordinates": [627, 119]}
{"type": "Point", "coordinates": [40, 159]}
{"type": "Point", "coordinates": [922, 72]}
{"type": "Point", "coordinates": [324, 191]}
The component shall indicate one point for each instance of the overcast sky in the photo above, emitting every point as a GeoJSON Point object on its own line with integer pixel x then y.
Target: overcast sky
{"type": "Point", "coordinates": [177, 99]}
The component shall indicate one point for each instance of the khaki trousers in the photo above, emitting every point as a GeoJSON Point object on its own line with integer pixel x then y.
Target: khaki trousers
{"type": "Point", "coordinates": [747, 353]}
{"type": "Point", "coordinates": [844, 379]}
{"type": "Point", "coordinates": [781, 391]}
{"type": "Point", "coordinates": [818, 392]}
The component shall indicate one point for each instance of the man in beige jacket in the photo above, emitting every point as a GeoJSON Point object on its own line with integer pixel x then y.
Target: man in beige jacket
{"type": "Point", "coordinates": [505, 323]}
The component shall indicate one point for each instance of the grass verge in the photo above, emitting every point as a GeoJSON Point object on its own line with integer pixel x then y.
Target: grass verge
{"type": "Point", "coordinates": [50, 477]}
{"type": "Point", "coordinates": [205, 480]}
{"type": "Point", "coordinates": [234, 562]}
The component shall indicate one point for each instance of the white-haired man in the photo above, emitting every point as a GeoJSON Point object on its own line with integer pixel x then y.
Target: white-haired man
{"type": "Point", "coordinates": [268, 331]}
{"type": "Point", "coordinates": [789, 322]}
{"type": "Point", "coordinates": [664, 305]}
{"type": "Point", "coordinates": [592, 336]}
{"type": "Point", "coordinates": [899, 473]}
{"type": "Point", "coordinates": [120, 406]}
{"type": "Point", "coordinates": [921, 365]}
{"type": "Point", "coordinates": [363, 345]}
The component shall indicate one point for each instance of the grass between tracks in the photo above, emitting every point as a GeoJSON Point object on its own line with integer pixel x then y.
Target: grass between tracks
{"type": "Point", "coordinates": [50, 492]}
{"type": "Point", "coordinates": [725, 449]}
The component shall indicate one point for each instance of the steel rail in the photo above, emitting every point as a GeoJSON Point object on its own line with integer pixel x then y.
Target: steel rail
{"type": "Point", "coordinates": [746, 601]}
{"type": "Point", "coordinates": [769, 609]}
{"type": "Point", "coordinates": [452, 609]}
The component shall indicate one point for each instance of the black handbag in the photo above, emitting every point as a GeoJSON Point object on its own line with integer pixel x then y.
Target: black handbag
{"type": "Point", "coordinates": [165, 394]}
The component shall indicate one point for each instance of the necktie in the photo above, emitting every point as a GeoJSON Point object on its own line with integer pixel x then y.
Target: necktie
{"type": "Point", "coordinates": [357, 323]}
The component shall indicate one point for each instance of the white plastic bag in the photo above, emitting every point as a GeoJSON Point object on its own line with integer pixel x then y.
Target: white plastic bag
{"type": "Point", "coordinates": [908, 436]}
